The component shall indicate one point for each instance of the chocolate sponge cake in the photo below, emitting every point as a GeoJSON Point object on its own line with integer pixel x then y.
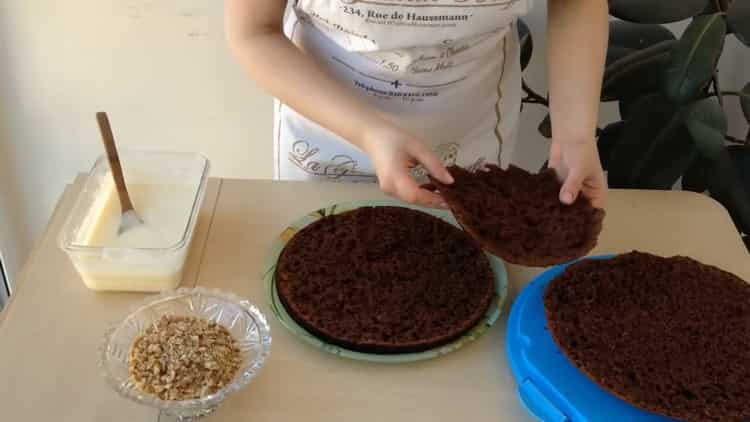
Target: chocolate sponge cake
{"type": "Point", "coordinates": [668, 335]}
{"type": "Point", "coordinates": [517, 215]}
{"type": "Point", "coordinates": [384, 280]}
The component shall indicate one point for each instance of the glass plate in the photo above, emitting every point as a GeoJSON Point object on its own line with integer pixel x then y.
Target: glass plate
{"type": "Point", "coordinates": [493, 313]}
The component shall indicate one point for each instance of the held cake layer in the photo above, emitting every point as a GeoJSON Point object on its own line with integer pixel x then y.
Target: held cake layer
{"type": "Point", "coordinates": [384, 280]}
{"type": "Point", "coordinates": [517, 215]}
{"type": "Point", "coordinates": [669, 335]}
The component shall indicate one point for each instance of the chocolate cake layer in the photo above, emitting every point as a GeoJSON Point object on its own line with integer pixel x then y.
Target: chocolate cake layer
{"type": "Point", "coordinates": [669, 335]}
{"type": "Point", "coordinates": [518, 216]}
{"type": "Point", "coordinates": [384, 280]}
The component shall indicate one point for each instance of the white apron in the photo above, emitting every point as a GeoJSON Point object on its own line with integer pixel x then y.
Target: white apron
{"type": "Point", "coordinates": [446, 71]}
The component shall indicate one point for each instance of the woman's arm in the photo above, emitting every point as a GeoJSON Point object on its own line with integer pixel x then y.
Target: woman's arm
{"type": "Point", "coordinates": [254, 32]}
{"type": "Point", "coordinates": [577, 46]}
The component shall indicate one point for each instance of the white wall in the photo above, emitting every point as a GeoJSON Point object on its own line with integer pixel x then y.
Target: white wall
{"type": "Point", "coordinates": [159, 68]}
{"type": "Point", "coordinates": [8, 233]}
{"type": "Point", "coordinates": [162, 71]}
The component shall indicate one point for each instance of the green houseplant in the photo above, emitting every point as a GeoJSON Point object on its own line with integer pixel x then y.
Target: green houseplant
{"type": "Point", "coordinates": [673, 124]}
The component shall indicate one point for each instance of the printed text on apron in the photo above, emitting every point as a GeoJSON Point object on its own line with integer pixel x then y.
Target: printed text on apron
{"type": "Point", "coordinates": [446, 71]}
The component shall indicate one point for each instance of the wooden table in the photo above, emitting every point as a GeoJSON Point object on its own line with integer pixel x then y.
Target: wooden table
{"type": "Point", "coordinates": [50, 331]}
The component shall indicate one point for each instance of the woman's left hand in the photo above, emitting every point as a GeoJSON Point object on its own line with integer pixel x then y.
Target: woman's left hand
{"type": "Point", "coordinates": [575, 84]}
{"type": "Point", "coordinates": [577, 165]}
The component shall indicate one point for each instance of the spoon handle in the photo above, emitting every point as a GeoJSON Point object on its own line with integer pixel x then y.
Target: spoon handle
{"type": "Point", "coordinates": [114, 161]}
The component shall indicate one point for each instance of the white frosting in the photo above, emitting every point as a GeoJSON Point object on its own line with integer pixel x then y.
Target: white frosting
{"type": "Point", "coordinates": [165, 210]}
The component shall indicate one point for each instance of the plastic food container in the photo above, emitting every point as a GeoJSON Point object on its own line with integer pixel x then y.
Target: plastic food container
{"type": "Point", "coordinates": [167, 190]}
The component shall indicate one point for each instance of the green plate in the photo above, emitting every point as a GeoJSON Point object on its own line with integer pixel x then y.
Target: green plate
{"type": "Point", "coordinates": [492, 315]}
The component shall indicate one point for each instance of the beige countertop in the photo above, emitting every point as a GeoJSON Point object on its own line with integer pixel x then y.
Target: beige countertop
{"type": "Point", "coordinates": [50, 330]}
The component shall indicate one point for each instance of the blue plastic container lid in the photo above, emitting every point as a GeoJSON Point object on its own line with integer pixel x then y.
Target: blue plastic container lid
{"type": "Point", "coordinates": [550, 387]}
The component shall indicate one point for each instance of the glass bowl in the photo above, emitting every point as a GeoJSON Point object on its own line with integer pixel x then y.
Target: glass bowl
{"type": "Point", "coordinates": [246, 323]}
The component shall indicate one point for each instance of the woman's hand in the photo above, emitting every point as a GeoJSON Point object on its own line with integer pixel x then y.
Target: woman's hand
{"type": "Point", "coordinates": [394, 154]}
{"type": "Point", "coordinates": [578, 166]}
{"type": "Point", "coordinates": [575, 79]}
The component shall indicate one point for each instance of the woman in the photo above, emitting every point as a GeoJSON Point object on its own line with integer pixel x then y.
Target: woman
{"type": "Point", "coordinates": [386, 90]}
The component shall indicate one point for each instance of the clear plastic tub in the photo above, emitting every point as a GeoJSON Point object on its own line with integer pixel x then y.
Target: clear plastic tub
{"type": "Point", "coordinates": [167, 190]}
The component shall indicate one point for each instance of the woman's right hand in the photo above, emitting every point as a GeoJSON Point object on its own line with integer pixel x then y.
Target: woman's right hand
{"type": "Point", "coordinates": [394, 154]}
{"type": "Point", "coordinates": [254, 32]}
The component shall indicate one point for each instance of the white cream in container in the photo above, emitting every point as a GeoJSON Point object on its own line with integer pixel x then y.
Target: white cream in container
{"type": "Point", "coordinates": [167, 190]}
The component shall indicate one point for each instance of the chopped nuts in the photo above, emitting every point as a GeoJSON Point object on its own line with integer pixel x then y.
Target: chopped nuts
{"type": "Point", "coordinates": [182, 358]}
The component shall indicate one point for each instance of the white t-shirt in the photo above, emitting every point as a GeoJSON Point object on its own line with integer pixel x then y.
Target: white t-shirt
{"type": "Point", "coordinates": [446, 71]}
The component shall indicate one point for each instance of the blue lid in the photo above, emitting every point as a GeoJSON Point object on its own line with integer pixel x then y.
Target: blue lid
{"type": "Point", "coordinates": [549, 385]}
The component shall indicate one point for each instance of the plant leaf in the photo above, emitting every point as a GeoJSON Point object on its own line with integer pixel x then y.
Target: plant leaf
{"type": "Point", "coordinates": [694, 179]}
{"type": "Point", "coordinates": [545, 127]}
{"type": "Point", "coordinates": [608, 138]}
{"type": "Point", "coordinates": [626, 107]}
{"type": "Point", "coordinates": [694, 58]}
{"type": "Point", "coordinates": [741, 159]}
{"type": "Point", "coordinates": [654, 120]}
{"type": "Point", "coordinates": [745, 102]}
{"type": "Point", "coordinates": [626, 38]}
{"type": "Point", "coordinates": [660, 11]}
{"type": "Point", "coordinates": [527, 43]}
{"type": "Point", "coordinates": [707, 125]}
{"type": "Point", "coordinates": [668, 161]}
{"type": "Point", "coordinates": [738, 19]}
{"type": "Point", "coordinates": [711, 8]}
{"type": "Point", "coordinates": [634, 75]}
{"type": "Point", "coordinates": [637, 36]}
{"type": "Point", "coordinates": [725, 184]}
{"type": "Point", "coordinates": [615, 53]}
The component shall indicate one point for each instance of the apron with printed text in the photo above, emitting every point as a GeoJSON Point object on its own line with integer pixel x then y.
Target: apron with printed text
{"type": "Point", "coordinates": [446, 71]}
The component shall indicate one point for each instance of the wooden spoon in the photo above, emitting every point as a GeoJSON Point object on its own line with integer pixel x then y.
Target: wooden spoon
{"type": "Point", "coordinates": [128, 218]}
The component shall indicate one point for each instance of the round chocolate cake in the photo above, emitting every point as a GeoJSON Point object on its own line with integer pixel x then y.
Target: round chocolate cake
{"type": "Point", "coordinates": [517, 215]}
{"type": "Point", "coordinates": [384, 280]}
{"type": "Point", "coordinates": [669, 335]}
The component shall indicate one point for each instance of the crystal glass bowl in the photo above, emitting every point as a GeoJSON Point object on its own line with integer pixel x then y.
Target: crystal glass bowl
{"type": "Point", "coordinates": [243, 320]}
